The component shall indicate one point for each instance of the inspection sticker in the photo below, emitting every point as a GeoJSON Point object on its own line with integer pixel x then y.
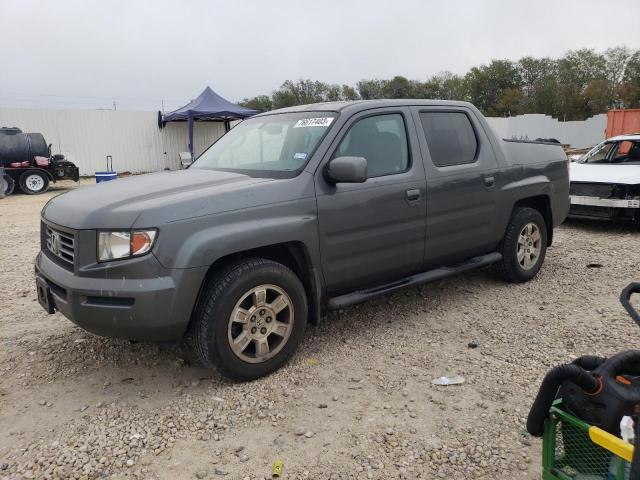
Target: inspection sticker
{"type": "Point", "coordinates": [314, 122]}
{"type": "Point", "coordinates": [300, 156]}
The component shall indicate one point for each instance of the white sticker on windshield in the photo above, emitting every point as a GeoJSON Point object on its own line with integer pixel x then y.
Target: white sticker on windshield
{"type": "Point", "coordinates": [300, 156]}
{"type": "Point", "coordinates": [314, 122]}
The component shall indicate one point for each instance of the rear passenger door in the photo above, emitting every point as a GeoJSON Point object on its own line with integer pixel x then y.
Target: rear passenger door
{"type": "Point", "coordinates": [462, 172]}
{"type": "Point", "coordinates": [373, 232]}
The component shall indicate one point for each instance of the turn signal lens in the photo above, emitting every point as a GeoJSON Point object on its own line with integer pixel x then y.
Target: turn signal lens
{"type": "Point", "coordinates": [119, 245]}
{"type": "Point", "coordinates": [141, 242]}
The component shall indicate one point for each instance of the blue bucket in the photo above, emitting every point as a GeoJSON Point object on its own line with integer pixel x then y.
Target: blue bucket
{"type": "Point", "coordinates": [106, 176]}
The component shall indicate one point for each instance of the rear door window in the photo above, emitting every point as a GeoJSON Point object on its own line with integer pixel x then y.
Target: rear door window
{"type": "Point", "coordinates": [450, 138]}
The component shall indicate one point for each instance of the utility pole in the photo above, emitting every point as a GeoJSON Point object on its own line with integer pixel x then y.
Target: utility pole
{"type": "Point", "coordinates": [114, 105]}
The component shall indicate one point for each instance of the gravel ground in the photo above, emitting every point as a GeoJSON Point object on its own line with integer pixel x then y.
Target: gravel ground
{"type": "Point", "coordinates": [355, 402]}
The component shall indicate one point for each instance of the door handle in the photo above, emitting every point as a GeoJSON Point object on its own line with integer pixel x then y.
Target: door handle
{"type": "Point", "coordinates": [489, 180]}
{"type": "Point", "coordinates": [413, 195]}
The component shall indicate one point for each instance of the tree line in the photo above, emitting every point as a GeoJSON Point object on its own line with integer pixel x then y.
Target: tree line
{"type": "Point", "coordinates": [576, 86]}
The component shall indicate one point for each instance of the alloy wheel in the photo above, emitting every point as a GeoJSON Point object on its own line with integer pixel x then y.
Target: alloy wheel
{"type": "Point", "coordinates": [529, 246]}
{"type": "Point", "coordinates": [260, 323]}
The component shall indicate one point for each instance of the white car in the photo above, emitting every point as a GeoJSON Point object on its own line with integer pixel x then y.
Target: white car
{"type": "Point", "coordinates": [605, 182]}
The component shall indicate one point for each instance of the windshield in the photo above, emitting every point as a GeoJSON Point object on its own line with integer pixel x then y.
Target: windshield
{"type": "Point", "coordinates": [598, 153]}
{"type": "Point", "coordinates": [276, 145]}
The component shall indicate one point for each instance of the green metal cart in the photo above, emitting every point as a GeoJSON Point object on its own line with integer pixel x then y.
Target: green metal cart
{"type": "Point", "coordinates": [575, 450]}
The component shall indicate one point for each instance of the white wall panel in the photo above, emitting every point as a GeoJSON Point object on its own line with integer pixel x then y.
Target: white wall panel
{"type": "Point", "coordinates": [137, 145]}
{"type": "Point", "coordinates": [578, 134]}
{"type": "Point", "coordinates": [133, 138]}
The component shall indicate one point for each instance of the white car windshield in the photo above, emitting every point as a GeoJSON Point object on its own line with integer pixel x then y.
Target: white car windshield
{"type": "Point", "coordinates": [277, 145]}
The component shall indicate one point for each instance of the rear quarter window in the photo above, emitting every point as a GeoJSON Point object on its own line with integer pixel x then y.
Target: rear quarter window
{"type": "Point", "coordinates": [450, 138]}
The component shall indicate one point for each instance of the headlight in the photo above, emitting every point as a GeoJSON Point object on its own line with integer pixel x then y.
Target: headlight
{"type": "Point", "coordinates": [125, 244]}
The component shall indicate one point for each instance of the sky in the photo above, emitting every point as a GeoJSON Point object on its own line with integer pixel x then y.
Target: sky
{"type": "Point", "coordinates": [144, 54]}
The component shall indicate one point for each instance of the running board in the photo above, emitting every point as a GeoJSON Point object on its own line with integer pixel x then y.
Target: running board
{"type": "Point", "coordinates": [417, 279]}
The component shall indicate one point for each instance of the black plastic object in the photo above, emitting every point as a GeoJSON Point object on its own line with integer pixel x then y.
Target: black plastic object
{"type": "Point", "coordinates": [552, 382]}
{"type": "Point", "coordinates": [589, 362]}
{"type": "Point", "coordinates": [625, 300]}
{"type": "Point", "coordinates": [617, 396]}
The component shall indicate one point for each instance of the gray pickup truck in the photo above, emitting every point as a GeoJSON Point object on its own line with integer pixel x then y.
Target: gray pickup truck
{"type": "Point", "coordinates": [296, 210]}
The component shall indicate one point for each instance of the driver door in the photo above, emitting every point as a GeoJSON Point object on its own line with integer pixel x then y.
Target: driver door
{"type": "Point", "coordinates": [373, 232]}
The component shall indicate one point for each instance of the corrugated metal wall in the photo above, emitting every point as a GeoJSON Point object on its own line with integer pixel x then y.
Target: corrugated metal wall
{"type": "Point", "coordinates": [137, 145]}
{"type": "Point", "coordinates": [134, 140]}
{"type": "Point", "coordinates": [578, 134]}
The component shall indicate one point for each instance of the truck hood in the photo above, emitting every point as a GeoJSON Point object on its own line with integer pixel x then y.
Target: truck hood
{"type": "Point", "coordinates": [154, 199]}
{"type": "Point", "coordinates": [604, 173]}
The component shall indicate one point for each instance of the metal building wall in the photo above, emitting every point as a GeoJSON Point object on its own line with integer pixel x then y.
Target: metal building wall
{"type": "Point", "coordinates": [578, 134]}
{"type": "Point", "coordinates": [137, 145]}
{"type": "Point", "coordinates": [133, 138]}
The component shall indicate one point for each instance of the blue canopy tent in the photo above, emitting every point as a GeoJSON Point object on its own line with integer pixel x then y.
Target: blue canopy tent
{"type": "Point", "coordinates": [208, 106]}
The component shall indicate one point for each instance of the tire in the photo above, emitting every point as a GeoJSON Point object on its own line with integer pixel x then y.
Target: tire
{"type": "Point", "coordinates": [34, 182]}
{"type": "Point", "coordinates": [9, 185]}
{"type": "Point", "coordinates": [514, 268]}
{"type": "Point", "coordinates": [214, 334]}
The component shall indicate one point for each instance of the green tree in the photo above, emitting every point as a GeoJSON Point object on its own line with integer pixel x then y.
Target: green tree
{"type": "Point", "coordinates": [576, 70]}
{"type": "Point", "coordinates": [487, 84]}
{"type": "Point", "coordinates": [617, 59]}
{"type": "Point", "coordinates": [349, 93]}
{"type": "Point", "coordinates": [398, 87]}
{"type": "Point", "coordinates": [449, 86]}
{"type": "Point", "coordinates": [371, 89]}
{"type": "Point", "coordinates": [333, 93]}
{"type": "Point", "coordinates": [539, 85]}
{"type": "Point", "coordinates": [511, 102]}
{"type": "Point", "coordinates": [629, 90]}
{"type": "Point", "coordinates": [262, 103]}
{"type": "Point", "coordinates": [300, 92]}
{"type": "Point", "coordinates": [580, 84]}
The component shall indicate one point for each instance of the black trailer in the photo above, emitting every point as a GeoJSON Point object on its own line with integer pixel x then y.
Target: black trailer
{"type": "Point", "coordinates": [28, 163]}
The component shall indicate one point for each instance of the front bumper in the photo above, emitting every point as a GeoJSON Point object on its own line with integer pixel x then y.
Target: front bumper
{"type": "Point", "coordinates": [157, 308]}
{"type": "Point", "coordinates": [604, 202]}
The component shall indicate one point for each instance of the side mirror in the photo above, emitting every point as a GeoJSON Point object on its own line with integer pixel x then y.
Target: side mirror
{"type": "Point", "coordinates": [347, 170]}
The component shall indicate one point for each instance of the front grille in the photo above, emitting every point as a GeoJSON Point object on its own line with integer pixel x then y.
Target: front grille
{"type": "Point", "coordinates": [60, 244]}
{"type": "Point", "coordinates": [600, 190]}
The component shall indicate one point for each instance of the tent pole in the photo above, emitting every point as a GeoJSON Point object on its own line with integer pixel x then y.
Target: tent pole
{"type": "Point", "coordinates": [191, 135]}
{"type": "Point", "coordinates": [227, 126]}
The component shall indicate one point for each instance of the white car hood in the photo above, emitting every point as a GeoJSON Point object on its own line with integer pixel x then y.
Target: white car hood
{"type": "Point", "coordinates": [602, 173]}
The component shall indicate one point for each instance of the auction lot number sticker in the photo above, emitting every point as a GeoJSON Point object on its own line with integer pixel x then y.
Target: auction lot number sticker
{"type": "Point", "coordinates": [314, 122]}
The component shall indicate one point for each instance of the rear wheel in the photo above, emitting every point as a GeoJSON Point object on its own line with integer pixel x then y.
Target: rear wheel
{"type": "Point", "coordinates": [523, 246]}
{"type": "Point", "coordinates": [250, 319]}
{"type": "Point", "coordinates": [33, 182]}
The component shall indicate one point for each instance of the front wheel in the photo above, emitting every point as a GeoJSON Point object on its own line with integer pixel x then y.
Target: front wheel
{"type": "Point", "coordinates": [33, 182]}
{"type": "Point", "coordinates": [250, 319]}
{"type": "Point", "coordinates": [523, 246]}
